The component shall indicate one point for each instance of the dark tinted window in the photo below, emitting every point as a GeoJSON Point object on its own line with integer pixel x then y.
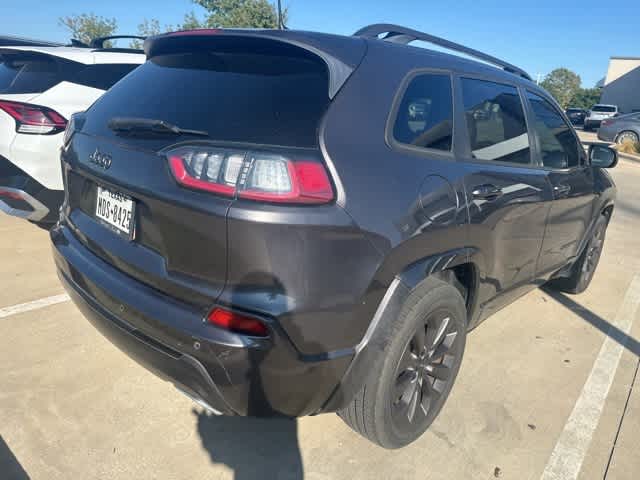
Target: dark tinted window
{"type": "Point", "coordinates": [425, 115]}
{"type": "Point", "coordinates": [27, 74]}
{"type": "Point", "coordinates": [272, 98]}
{"type": "Point", "coordinates": [558, 145]}
{"type": "Point", "coordinates": [495, 121]}
{"type": "Point", "coordinates": [102, 76]}
{"type": "Point", "coordinates": [603, 108]}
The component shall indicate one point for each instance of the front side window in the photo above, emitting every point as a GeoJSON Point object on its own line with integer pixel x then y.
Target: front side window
{"type": "Point", "coordinates": [495, 122]}
{"type": "Point", "coordinates": [425, 114]}
{"type": "Point", "coordinates": [558, 145]}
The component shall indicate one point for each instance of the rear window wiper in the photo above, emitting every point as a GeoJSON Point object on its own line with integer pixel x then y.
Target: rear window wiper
{"type": "Point", "coordinates": [149, 125]}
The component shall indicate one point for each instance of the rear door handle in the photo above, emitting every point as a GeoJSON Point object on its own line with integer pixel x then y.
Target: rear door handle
{"type": "Point", "coordinates": [487, 192]}
{"type": "Point", "coordinates": [561, 190]}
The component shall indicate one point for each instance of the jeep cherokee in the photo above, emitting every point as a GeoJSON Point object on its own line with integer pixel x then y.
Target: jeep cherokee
{"type": "Point", "coordinates": [291, 223]}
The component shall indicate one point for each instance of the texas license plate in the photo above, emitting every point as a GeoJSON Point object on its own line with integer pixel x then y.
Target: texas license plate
{"type": "Point", "coordinates": [116, 210]}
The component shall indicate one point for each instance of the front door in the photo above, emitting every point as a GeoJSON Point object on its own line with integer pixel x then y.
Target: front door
{"type": "Point", "coordinates": [572, 182]}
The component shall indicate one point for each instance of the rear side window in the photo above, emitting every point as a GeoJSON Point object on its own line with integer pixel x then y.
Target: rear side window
{"type": "Point", "coordinates": [425, 115]}
{"type": "Point", "coordinates": [102, 76]}
{"type": "Point", "coordinates": [558, 145]}
{"type": "Point", "coordinates": [274, 97]}
{"type": "Point", "coordinates": [495, 122]}
{"type": "Point", "coordinates": [27, 74]}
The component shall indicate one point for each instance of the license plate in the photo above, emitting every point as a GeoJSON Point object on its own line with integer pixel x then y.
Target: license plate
{"type": "Point", "coordinates": [116, 210]}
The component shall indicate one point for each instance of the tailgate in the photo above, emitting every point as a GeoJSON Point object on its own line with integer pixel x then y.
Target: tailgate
{"type": "Point", "coordinates": [180, 240]}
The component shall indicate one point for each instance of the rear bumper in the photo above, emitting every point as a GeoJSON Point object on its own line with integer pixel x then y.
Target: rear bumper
{"type": "Point", "coordinates": [22, 196]}
{"type": "Point", "coordinates": [233, 374]}
{"type": "Point", "coordinates": [606, 134]}
{"type": "Point", "coordinates": [187, 372]}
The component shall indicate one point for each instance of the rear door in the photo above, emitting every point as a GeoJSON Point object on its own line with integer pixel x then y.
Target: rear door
{"type": "Point", "coordinates": [508, 195]}
{"type": "Point", "coordinates": [572, 181]}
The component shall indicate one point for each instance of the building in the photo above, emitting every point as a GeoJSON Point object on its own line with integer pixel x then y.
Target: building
{"type": "Point", "coordinates": [622, 84]}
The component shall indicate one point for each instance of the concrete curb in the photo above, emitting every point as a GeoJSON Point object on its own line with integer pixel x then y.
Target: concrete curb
{"type": "Point", "coordinates": [629, 157]}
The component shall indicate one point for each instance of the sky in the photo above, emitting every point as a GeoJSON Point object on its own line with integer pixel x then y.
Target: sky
{"type": "Point", "coordinates": [537, 36]}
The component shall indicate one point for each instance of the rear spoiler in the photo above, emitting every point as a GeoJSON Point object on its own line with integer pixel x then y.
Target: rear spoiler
{"type": "Point", "coordinates": [342, 55]}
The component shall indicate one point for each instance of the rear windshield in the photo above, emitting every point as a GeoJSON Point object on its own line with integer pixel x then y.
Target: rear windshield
{"type": "Point", "coordinates": [573, 110]}
{"type": "Point", "coordinates": [270, 98]}
{"type": "Point", "coordinates": [27, 74]}
{"type": "Point", "coordinates": [603, 108]}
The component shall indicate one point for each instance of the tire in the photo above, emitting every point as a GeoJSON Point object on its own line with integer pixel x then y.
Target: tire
{"type": "Point", "coordinates": [627, 136]}
{"type": "Point", "coordinates": [582, 271]}
{"type": "Point", "coordinates": [410, 383]}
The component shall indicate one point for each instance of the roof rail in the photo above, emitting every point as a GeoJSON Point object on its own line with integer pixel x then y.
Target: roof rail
{"type": "Point", "coordinates": [399, 34]}
{"type": "Point", "coordinates": [99, 41]}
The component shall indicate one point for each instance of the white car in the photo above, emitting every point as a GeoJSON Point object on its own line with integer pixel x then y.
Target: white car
{"type": "Point", "coordinates": [40, 87]}
{"type": "Point", "coordinates": [597, 114]}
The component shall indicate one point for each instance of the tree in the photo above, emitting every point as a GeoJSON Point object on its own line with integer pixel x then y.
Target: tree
{"type": "Point", "coordinates": [191, 22]}
{"type": "Point", "coordinates": [585, 98]}
{"type": "Point", "coordinates": [150, 27]}
{"type": "Point", "coordinates": [240, 13]}
{"type": "Point", "coordinates": [147, 28]}
{"type": "Point", "coordinates": [88, 26]}
{"type": "Point", "coordinates": [563, 84]}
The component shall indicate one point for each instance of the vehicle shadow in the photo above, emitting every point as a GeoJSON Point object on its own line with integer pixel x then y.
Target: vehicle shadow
{"type": "Point", "coordinates": [10, 468]}
{"type": "Point", "coordinates": [263, 446]}
{"type": "Point", "coordinates": [597, 321]}
{"type": "Point", "coordinates": [254, 448]}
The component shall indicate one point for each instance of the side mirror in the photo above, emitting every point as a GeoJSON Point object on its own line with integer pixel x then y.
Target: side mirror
{"type": "Point", "coordinates": [602, 156]}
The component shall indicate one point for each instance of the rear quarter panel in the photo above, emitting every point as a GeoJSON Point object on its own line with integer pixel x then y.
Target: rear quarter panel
{"type": "Point", "coordinates": [385, 187]}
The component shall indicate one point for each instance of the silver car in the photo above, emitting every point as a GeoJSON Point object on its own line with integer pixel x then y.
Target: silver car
{"type": "Point", "coordinates": [624, 128]}
{"type": "Point", "coordinates": [597, 114]}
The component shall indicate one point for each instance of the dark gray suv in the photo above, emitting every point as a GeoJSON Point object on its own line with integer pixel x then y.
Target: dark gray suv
{"type": "Point", "coordinates": [291, 223]}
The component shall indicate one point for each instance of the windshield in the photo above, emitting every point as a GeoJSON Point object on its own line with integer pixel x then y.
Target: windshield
{"type": "Point", "coordinates": [603, 108]}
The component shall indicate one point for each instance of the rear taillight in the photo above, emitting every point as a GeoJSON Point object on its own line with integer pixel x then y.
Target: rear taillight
{"type": "Point", "coordinates": [34, 119]}
{"type": "Point", "coordinates": [253, 175]}
{"type": "Point", "coordinates": [606, 122]}
{"type": "Point", "coordinates": [10, 194]}
{"type": "Point", "coordinates": [237, 322]}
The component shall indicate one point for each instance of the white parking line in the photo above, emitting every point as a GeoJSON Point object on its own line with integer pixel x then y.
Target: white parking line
{"type": "Point", "coordinates": [567, 457]}
{"type": "Point", "coordinates": [34, 305]}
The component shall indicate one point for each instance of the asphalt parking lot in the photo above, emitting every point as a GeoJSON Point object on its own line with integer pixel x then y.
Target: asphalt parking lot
{"type": "Point", "coordinates": [546, 391]}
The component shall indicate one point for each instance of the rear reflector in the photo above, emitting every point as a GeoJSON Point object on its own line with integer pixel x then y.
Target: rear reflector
{"type": "Point", "coordinates": [237, 322]}
{"type": "Point", "coordinates": [252, 175]}
{"type": "Point", "coordinates": [10, 194]}
{"type": "Point", "coordinates": [34, 119]}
